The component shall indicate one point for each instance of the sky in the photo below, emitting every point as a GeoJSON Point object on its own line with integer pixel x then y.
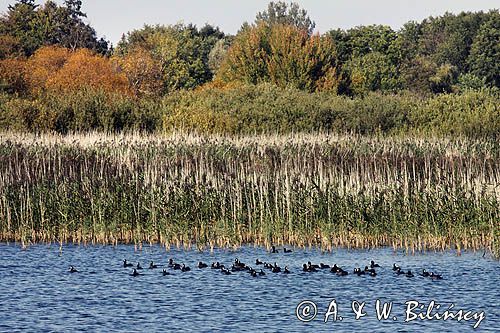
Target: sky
{"type": "Point", "coordinates": [112, 18]}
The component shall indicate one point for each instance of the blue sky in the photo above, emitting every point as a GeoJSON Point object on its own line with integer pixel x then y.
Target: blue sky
{"type": "Point", "coordinates": [111, 18]}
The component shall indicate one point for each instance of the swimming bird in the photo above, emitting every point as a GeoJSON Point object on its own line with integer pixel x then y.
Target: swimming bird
{"type": "Point", "coordinates": [152, 265]}
{"type": "Point", "coordinates": [185, 268]}
{"type": "Point", "coordinates": [215, 265]}
{"type": "Point", "coordinates": [165, 272]}
{"type": "Point", "coordinates": [321, 265]}
{"type": "Point", "coordinates": [373, 273]}
{"type": "Point", "coordinates": [225, 271]}
{"type": "Point", "coordinates": [395, 267]}
{"type": "Point", "coordinates": [335, 268]}
{"type": "Point", "coordinates": [399, 271]}
{"type": "Point", "coordinates": [276, 268]}
{"type": "Point", "coordinates": [359, 272]}
{"type": "Point", "coordinates": [369, 269]}
{"type": "Point", "coordinates": [312, 265]}
{"type": "Point", "coordinates": [373, 264]}
{"type": "Point", "coordinates": [267, 265]}
{"type": "Point", "coordinates": [286, 251]}
{"type": "Point", "coordinates": [170, 262]}
{"type": "Point", "coordinates": [135, 272]}
{"type": "Point", "coordinates": [253, 274]}
{"type": "Point", "coordinates": [435, 276]}
{"type": "Point", "coordinates": [286, 271]}
{"type": "Point", "coordinates": [138, 266]}
{"type": "Point", "coordinates": [409, 274]}
{"type": "Point", "coordinates": [273, 249]}
{"type": "Point", "coordinates": [202, 265]}
{"type": "Point", "coordinates": [306, 268]}
{"type": "Point", "coordinates": [341, 272]}
{"type": "Point", "coordinates": [176, 266]}
{"type": "Point", "coordinates": [425, 273]}
{"type": "Point", "coordinates": [127, 264]}
{"type": "Point", "coordinates": [238, 263]}
{"type": "Point", "coordinates": [258, 262]}
{"type": "Point", "coordinates": [73, 269]}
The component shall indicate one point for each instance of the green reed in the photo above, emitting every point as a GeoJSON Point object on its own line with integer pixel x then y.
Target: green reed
{"type": "Point", "coordinates": [304, 190]}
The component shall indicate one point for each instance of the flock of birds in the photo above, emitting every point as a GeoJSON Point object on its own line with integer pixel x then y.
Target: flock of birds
{"type": "Point", "coordinates": [238, 266]}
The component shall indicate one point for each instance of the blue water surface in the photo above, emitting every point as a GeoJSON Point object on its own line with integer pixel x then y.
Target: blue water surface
{"type": "Point", "coordinates": [38, 294]}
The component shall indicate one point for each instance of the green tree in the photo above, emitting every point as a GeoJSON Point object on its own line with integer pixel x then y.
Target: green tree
{"type": "Point", "coordinates": [286, 14]}
{"type": "Point", "coordinates": [484, 59]}
{"type": "Point", "coordinates": [373, 71]}
{"type": "Point", "coordinates": [18, 23]}
{"type": "Point", "coordinates": [182, 52]}
{"type": "Point", "coordinates": [282, 54]}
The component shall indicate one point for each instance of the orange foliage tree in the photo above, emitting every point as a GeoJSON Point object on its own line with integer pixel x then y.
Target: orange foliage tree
{"type": "Point", "coordinates": [43, 65]}
{"type": "Point", "coordinates": [12, 73]}
{"type": "Point", "coordinates": [85, 69]}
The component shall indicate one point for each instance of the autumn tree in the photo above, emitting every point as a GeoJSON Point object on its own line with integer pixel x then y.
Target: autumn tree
{"type": "Point", "coordinates": [12, 75]}
{"type": "Point", "coordinates": [43, 65]}
{"type": "Point", "coordinates": [85, 69]}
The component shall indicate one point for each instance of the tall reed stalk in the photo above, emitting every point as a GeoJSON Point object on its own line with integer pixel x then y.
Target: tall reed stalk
{"type": "Point", "coordinates": [305, 190]}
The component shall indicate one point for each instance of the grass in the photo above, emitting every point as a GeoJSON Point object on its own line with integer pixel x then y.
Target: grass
{"type": "Point", "coordinates": [207, 191]}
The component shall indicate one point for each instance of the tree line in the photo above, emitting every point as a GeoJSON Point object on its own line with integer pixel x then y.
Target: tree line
{"type": "Point", "coordinates": [49, 51]}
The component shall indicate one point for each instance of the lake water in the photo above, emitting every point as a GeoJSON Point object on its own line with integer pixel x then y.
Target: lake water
{"type": "Point", "coordinates": [37, 293]}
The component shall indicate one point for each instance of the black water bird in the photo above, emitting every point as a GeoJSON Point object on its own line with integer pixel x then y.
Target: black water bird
{"type": "Point", "coordinates": [258, 262]}
{"type": "Point", "coordinates": [225, 271]}
{"type": "Point", "coordinates": [276, 268]}
{"type": "Point", "coordinates": [286, 251]}
{"type": "Point", "coordinates": [135, 272]}
{"type": "Point", "coordinates": [370, 270]}
{"type": "Point", "coordinates": [359, 272]}
{"type": "Point", "coordinates": [215, 265]}
{"type": "Point", "coordinates": [321, 265]}
{"type": "Point", "coordinates": [399, 271]}
{"type": "Point", "coordinates": [127, 264]}
{"type": "Point", "coordinates": [176, 266]}
{"type": "Point", "coordinates": [238, 263]}
{"type": "Point", "coordinates": [267, 265]}
{"type": "Point", "coordinates": [152, 265]}
{"type": "Point", "coordinates": [312, 265]}
{"type": "Point", "coordinates": [395, 267]}
{"type": "Point", "coordinates": [138, 266]}
{"type": "Point", "coordinates": [170, 262]}
{"type": "Point", "coordinates": [409, 274]}
{"type": "Point", "coordinates": [373, 264]}
{"type": "Point", "coordinates": [253, 274]}
{"type": "Point", "coordinates": [202, 265]}
{"type": "Point", "coordinates": [185, 268]}
{"type": "Point", "coordinates": [73, 269]}
{"type": "Point", "coordinates": [165, 272]}
{"type": "Point", "coordinates": [373, 273]}
{"type": "Point", "coordinates": [341, 272]}
{"type": "Point", "coordinates": [286, 271]}
{"type": "Point", "coordinates": [307, 268]}
{"type": "Point", "coordinates": [425, 273]}
{"type": "Point", "coordinates": [273, 249]}
{"type": "Point", "coordinates": [335, 268]}
{"type": "Point", "coordinates": [261, 273]}
{"type": "Point", "coordinates": [434, 276]}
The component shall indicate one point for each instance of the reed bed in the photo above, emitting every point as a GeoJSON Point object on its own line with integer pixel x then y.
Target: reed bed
{"type": "Point", "coordinates": [212, 191]}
